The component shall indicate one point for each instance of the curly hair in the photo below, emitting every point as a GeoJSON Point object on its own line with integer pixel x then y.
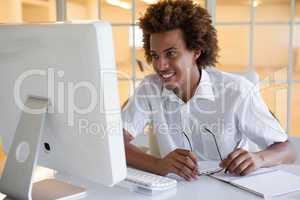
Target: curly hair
{"type": "Point", "coordinates": [194, 21]}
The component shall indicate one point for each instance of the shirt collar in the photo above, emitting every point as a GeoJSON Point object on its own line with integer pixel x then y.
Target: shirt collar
{"type": "Point", "coordinates": [203, 91]}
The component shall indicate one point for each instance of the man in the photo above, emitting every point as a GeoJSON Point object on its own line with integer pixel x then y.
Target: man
{"type": "Point", "coordinates": [197, 111]}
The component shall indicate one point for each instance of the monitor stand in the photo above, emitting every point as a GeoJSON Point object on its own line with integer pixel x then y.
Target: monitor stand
{"type": "Point", "coordinates": [16, 180]}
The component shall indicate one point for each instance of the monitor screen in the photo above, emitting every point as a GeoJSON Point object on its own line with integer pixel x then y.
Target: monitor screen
{"type": "Point", "coordinates": [73, 66]}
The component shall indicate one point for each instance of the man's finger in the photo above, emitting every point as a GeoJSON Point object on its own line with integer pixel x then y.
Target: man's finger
{"type": "Point", "coordinates": [185, 152]}
{"type": "Point", "coordinates": [188, 172]}
{"type": "Point", "coordinates": [246, 163]}
{"type": "Point", "coordinates": [184, 169]}
{"type": "Point", "coordinates": [237, 161]}
{"type": "Point", "coordinates": [193, 157]}
{"type": "Point", "coordinates": [180, 173]}
{"type": "Point", "coordinates": [187, 161]}
{"type": "Point", "coordinates": [248, 170]}
{"type": "Point", "coordinates": [227, 162]}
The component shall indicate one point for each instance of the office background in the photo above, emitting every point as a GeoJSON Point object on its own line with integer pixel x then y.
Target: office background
{"type": "Point", "coordinates": [263, 35]}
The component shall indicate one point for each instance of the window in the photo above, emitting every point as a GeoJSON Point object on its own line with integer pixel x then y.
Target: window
{"type": "Point", "coordinates": [251, 36]}
{"type": "Point", "coordinates": [82, 9]}
{"type": "Point", "coordinates": [234, 48]}
{"type": "Point", "coordinates": [14, 11]}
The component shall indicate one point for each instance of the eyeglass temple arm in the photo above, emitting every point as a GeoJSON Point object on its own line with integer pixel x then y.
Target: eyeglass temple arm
{"type": "Point", "coordinates": [215, 142]}
{"type": "Point", "coordinates": [191, 147]}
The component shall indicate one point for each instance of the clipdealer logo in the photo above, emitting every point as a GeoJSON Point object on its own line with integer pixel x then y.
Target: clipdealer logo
{"type": "Point", "coordinates": [62, 95]}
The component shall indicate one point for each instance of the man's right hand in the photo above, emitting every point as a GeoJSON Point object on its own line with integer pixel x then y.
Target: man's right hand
{"type": "Point", "coordinates": [181, 162]}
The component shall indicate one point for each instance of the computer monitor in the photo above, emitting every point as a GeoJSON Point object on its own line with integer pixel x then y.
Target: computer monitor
{"type": "Point", "coordinates": [59, 103]}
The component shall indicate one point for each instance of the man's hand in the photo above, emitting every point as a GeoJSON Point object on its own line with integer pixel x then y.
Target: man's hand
{"type": "Point", "coordinates": [241, 162]}
{"type": "Point", "coordinates": [181, 162]}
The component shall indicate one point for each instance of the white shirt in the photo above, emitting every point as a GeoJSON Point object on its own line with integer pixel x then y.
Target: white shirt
{"type": "Point", "coordinates": [228, 105]}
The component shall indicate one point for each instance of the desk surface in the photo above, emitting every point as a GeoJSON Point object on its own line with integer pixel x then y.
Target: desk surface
{"type": "Point", "coordinates": [203, 188]}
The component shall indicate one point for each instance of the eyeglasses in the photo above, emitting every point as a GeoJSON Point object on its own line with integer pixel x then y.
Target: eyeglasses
{"type": "Point", "coordinates": [218, 149]}
{"type": "Point", "coordinates": [217, 146]}
{"type": "Point", "coordinates": [214, 137]}
{"type": "Point", "coordinates": [187, 138]}
{"type": "Point", "coordinates": [216, 143]}
{"type": "Point", "coordinates": [207, 130]}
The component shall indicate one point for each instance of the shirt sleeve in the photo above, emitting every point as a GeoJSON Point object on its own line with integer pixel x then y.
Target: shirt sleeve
{"type": "Point", "coordinates": [256, 121]}
{"type": "Point", "coordinates": [137, 112]}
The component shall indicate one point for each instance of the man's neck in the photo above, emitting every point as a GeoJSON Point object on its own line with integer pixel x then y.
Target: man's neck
{"type": "Point", "coordinates": [188, 91]}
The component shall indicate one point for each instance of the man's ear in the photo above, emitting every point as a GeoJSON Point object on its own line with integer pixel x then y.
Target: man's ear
{"type": "Point", "coordinates": [197, 54]}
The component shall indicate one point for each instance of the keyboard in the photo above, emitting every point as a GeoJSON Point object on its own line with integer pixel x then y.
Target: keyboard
{"type": "Point", "coordinates": [145, 181]}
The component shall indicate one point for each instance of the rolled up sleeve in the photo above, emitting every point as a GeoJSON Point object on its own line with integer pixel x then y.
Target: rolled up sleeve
{"type": "Point", "coordinates": [256, 121]}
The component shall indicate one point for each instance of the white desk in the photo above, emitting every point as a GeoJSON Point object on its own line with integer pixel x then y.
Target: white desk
{"type": "Point", "coordinates": [203, 188]}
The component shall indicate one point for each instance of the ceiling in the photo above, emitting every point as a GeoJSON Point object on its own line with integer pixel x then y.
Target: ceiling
{"type": "Point", "coordinates": [247, 2]}
{"type": "Point", "coordinates": [140, 3]}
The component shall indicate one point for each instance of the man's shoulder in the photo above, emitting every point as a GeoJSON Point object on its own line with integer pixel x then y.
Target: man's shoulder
{"type": "Point", "coordinates": [229, 81]}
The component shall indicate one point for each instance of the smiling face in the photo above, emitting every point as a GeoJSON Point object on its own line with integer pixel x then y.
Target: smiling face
{"type": "Point", "coordinates": [173, 62]}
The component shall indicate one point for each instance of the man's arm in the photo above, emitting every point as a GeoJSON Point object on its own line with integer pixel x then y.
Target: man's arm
{"type": "Point", "coordinates": [137, 158]}
{"type": "Point", "coordinates": [242, 162]}
{"type": "Point", "coordinates": [180, 161]}
{"type": "Point", "coordinates": [278, 153]}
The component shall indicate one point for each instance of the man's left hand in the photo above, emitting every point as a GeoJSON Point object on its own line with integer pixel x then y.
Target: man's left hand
{"type": "Point", "coordinates": [241, 162]}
